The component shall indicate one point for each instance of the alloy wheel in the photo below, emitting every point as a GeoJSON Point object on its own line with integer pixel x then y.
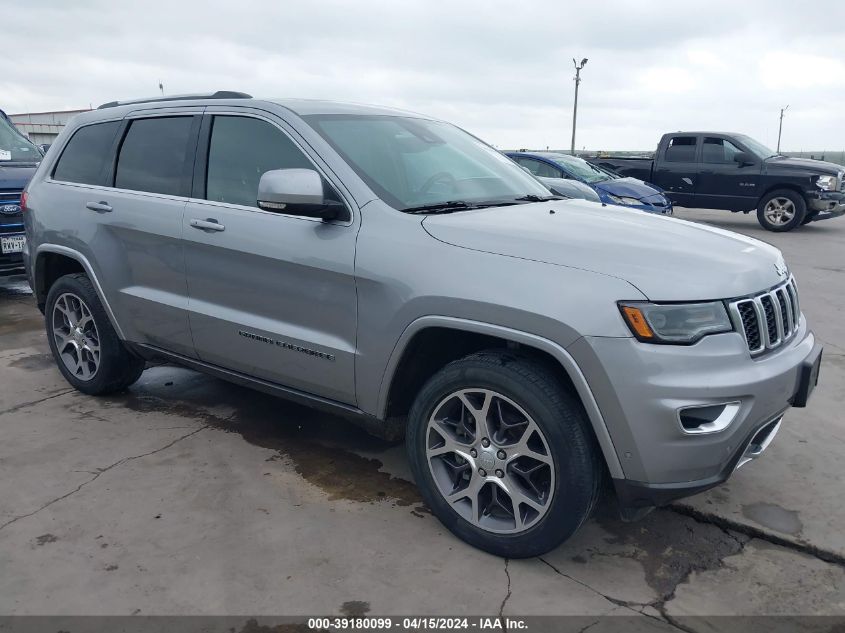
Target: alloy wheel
{"type": "Point", "coordinates": [779, 211]}
{"type": "Point", "coordinates": [490, 461]}
{"type": "Point", "coordinates": [76, 336]}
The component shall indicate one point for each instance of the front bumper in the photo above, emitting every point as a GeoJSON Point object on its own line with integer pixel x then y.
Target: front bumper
{"type": "Point", "coordinates": [637, 494]}
{"type": "Point", "coordinates": [826, 204]}
{"type": "Point", "coordinates": [641, 390]}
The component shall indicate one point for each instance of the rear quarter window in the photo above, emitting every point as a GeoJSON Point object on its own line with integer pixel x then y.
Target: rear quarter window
{"type": "Point", "coordinates": [83, 159]}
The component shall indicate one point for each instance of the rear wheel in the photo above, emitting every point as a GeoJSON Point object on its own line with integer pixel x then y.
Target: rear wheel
{"type": "Point", "coordinates": [503, 455]}
{"type": "Point", "coordinates": [87, 350]}
{"type": "Point", "coordinates": [781, 210]}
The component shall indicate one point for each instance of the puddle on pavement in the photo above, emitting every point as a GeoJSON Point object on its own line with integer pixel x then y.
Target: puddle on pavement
{"type": "Point", "coordinates": [18, 312]}
{"type": "Point", "coordinates": [14, 287]}
{"type": "Point", "coordinates": [320, 446]}
{"type": "Point", "coordinates": [355, 608]}
{"type": "Point", "coordinates": [774, 517]}
{"type": "Point", "coordinates": [667, 545]}
{"type": "Point", "coordinates": [34, 362]}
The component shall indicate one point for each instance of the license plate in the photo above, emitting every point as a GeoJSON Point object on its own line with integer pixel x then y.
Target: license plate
{"type": "Point", "coordinates": [12, 243]}
{"type": "Point", "coordinates": [808, 377]}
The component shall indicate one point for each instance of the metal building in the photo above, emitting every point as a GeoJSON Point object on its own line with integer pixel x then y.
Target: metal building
{"type": "Point", "coordinates": [43, 127]}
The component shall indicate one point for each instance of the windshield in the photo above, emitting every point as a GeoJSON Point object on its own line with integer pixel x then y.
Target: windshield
{"type": "Point", "coordinates": [412, 162]}
{"type": "Point", "coordinates": [14, 146]}
{"type": "Point", "coordinates": [756, 147]}
{"type": "Point", "coordinates": [581, 169]}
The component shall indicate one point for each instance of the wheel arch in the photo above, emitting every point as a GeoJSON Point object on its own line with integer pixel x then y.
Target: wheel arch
{"type": "Point", "coordinates": [444, 339]}
{"type": "Point", "coordinates": [780, 186]}
{"type": "Point", "coordinates": [52, 261]}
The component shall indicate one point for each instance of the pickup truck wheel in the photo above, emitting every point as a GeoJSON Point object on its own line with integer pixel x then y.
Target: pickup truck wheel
{"type": "Point", "coordinates": [503, 455]}
{"type": "Point", "coordinates": [87, 350]}
{"type": "Point", "coordinates": [781, 210]}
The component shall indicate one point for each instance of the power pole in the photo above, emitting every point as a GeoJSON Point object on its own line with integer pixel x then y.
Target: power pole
{"type": "Point", "coordinates": [575, 107]}
{"type": "Point", "coordinates": [161, 87]}
{"type": "Point", "coordinates": [780, 126]}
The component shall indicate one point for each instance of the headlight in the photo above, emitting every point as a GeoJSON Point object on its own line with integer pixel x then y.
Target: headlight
{"type": "Point", "coordinates": [827, 183]}
{"type": "Point", "coordinates": [682, 323]}
{"type": "Point", "coordinates": [624, 200]}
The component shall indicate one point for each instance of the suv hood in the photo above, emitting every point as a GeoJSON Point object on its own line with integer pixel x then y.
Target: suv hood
{"type": "Point", "coordinates": [665, 258]}
{"type": "Point", "coordinates": [805, 164]}
{"type": "Point", "coordinates": [628, 187]}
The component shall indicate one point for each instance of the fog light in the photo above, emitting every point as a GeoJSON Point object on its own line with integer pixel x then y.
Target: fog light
{"type": "Point", "coordinates": [710, 418]}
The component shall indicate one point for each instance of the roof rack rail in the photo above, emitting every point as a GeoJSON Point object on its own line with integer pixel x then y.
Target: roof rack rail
{"type": "Point", "coordinates": [220, 94]}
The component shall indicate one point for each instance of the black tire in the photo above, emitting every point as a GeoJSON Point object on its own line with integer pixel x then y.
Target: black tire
{"type": "Point", "coordinates": [799, 205]}
{"type": "Point", "coordinates": [559, 414]}
{"type": "Point", "coordinates": [118, 368]}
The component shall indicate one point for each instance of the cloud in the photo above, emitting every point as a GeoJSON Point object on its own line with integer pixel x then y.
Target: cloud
{"type": "Point", "coordinates": [502, 69]}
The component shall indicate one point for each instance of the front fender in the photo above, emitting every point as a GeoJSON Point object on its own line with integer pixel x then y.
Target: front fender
{"type": "Point", "coordinates": [524, 338]}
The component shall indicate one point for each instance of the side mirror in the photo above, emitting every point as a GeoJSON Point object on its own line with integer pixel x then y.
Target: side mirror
{"type": "Point", "coordinates": [44, 147]}
{"type": "Point", "coordinates": [743, 158]}
{"type": "Point", "coordinates": [298, 192]}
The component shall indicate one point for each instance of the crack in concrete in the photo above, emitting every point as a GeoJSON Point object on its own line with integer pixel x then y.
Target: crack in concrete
{"type": "Point", "coordinates": [24, 405]}
{"type": "Point", "coordinates": [635, 607]}
{"type": "Point", "coordinates": [726, 524]}
{"type": "Point", "coordinates": [99, 472]}
{"type": "Point", "coordinates": [508, 595]}
{"type": "Point", "coordinates": [589, 626]}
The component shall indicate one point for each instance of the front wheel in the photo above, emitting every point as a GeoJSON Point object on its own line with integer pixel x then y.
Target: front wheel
{"type": "Point", "coordinates": [781, 210]}
{"type": "Point", "coordinates": [503, 455]}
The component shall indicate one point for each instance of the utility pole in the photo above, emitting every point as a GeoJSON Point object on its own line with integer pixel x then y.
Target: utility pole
{"type": "Point", "coordinates": [161, 87]}
{"type": "Point", "coordinates": [575, 107]}
{"type": "Point", "coordinates": [780, 126]}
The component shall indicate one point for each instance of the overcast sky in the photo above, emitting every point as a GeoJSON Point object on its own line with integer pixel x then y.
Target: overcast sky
{"type": "Point", "coordinates": [501, 69]}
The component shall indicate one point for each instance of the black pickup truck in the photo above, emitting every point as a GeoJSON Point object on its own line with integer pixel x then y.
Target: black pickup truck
{"type": "Point", "coordinates": [714, 170]}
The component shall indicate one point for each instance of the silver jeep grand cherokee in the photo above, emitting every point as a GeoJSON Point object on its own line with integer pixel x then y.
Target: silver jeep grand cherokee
{"type": "Point", "coordinates": [394, 268]}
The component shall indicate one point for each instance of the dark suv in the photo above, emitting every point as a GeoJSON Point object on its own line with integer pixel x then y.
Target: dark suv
{"type": "Point", "coordinates": [18, 160]}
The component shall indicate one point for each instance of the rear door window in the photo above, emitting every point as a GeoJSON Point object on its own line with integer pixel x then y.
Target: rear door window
{"type": "Point", "coordinates": [84, 157]}
{"type": "Point", "coordinates": [681, 149]}
{"type": "Point", "coordinates": [154, 156]}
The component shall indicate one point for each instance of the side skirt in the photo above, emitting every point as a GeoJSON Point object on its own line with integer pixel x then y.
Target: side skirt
{"type": "Point", "coordinates": [390, 430]}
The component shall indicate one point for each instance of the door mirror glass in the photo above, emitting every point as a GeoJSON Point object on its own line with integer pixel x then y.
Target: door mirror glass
{"type": "Point", "coordinates": [298, 192]}
{"type": "Point", "coordinates": [744, 158]}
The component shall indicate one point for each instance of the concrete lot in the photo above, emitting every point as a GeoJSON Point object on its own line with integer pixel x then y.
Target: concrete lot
{"type": "Point", "coordinates": [188, 495]}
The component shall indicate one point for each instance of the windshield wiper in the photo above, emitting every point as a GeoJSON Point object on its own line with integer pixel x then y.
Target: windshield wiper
{"type": "Point", "coordinates": [531, 197]}
{"type": "Point", "coordinates": [441, 207]}
{"type": "Point", "coordinates": [456, 205]}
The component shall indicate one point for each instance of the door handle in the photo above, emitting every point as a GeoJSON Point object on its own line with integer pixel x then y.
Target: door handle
{"type": "Point", "coordinates": [99, 207]}
{"type": "Point", "coordinates": [207, 225]}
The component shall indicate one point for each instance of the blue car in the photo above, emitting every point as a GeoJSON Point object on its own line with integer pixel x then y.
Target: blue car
{"type": "Point", "coordinates": [611, 188]}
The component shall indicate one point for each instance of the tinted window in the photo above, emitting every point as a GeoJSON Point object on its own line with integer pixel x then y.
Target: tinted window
{"type": "Point", "coordinates": [539, 168]}
{"type": "Point", "coordinates": [681, 149]}
{"type": "Point", "coordinates": [153, 155]}
{"type": "Point", "coordinates": [86, 153]}
{"type": "Point", "coordinates": [240, 151]}
{"type": "Point", "coordinates": [718, 150]}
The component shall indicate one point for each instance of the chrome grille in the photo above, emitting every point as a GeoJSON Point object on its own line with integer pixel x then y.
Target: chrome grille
{"type": "Point", "coordinates": [10, 197]}
{"type": "Point", "coordinates": [768, 320]}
